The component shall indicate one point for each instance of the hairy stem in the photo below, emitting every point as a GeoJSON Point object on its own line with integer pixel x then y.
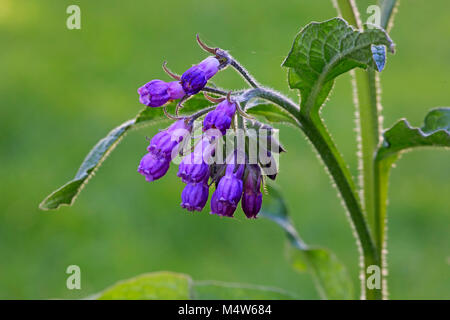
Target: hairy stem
{"type": "Point", "coordinates": [218, 91]}
{"type": "Point", "coordinates": [347, 9]}
{"type": "Point", "coordinates": [317, 133]}
{"type": "Point", "coordinates": [388, 11]}
{"type": "Point", "coordinates": [367, 101]}
{"type": "Point", "coordinates": [381, 170]}
{"type": "Point", "coordinates": [367, 106]}
{"type": "Point", "coordinates": [245, 74]}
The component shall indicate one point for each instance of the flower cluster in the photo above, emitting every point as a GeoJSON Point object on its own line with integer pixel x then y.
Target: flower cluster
{"type": "Point", "coordinates": [236, 180]}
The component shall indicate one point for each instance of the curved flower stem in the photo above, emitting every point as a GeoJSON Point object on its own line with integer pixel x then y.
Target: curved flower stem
{"type": "Point", "coordinates": [314, 129]}
{"type": "Point", "coordinates": [220, 92]}
{"type": "Point", "coordinates": [200, 113]}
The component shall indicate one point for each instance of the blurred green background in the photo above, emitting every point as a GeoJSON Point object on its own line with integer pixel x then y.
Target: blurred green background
{"type": "Point", "coordinates": [62, 90]}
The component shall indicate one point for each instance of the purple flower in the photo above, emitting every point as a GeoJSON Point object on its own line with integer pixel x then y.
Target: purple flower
{"type": "Point", "coordinates": [194, 167]}
{"type": "Point", "coordinates": [196, 77]}
{"type": "Point", "coordinates": [195, 195]}
{"type": "Point", "coordinates": [153, 167]}
{"type": "Point", "coordinates": [165, 143]}
{"type": "Point", "coordinates": [221, 117]}
{"type": "Point", "coordinates": [175, 90]}
{"type": "Point", "coordinates": [157, 92]}
{"type": "Point", "coordinates": [252, 197]}
{"type": "Point", "coordinates": [228, 192]}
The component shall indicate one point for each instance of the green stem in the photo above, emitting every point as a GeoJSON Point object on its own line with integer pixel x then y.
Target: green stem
{"type": "Point", "coordinates": [315, 130]}
{"type": "Point", "coordinates": [367, 101]}
{"type": "Point", "coordinates": [381, 169]}
{"type": "Point", "coordinates": [388, 11]}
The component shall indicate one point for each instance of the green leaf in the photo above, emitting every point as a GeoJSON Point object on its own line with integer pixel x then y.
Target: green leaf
{"type": "Point", "coordinates": [150, 286]}
{"type": "Point", "coordinates": [175, 286]}
{"type": "Point", "coordinates": [323, 51]}
{"type": "Point", "coordinates": [270, 112]}
{"type": "Point", "coordinates": [216, 290]}
{"type": "Point", "coordinates": [402, 136]}
{"type": "Point", "coordinates": [330, 275]}
{"type": "Point", "coordinates": [67, 194]}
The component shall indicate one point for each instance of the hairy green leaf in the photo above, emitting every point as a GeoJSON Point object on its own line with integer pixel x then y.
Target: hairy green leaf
{"type": "Point", "coordinates": [323, 51]}
{"type": "Point", "coordinates": [330, 275]}
{"type": "Point", "coordinates": [402, 137]}
{"type": "Point", "coordinates": [67, 194]}
{"type": "Point", "coordinates": [150, 286]}
{"type": "Point", "coordinates": [270, 112]}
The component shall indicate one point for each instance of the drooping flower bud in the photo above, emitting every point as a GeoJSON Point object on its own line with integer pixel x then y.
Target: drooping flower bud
{"type": "Point", "coordinates": [226, 197]}
{"type": "Point", "coordinates": [228, 192]}
{"type": "Point", "coordinates": [196, 77]}
{"type": "Point", "coordinates": [157, 92]}
{"type": "Point", "coordinates": [195, 167]}
{"type": "Point", "coordinates": [221, 117]}
{"type": "Point", "coordinates": [268, 164]}
{"type": "Point", "coordinates": [153, 167]}
{"type": "Point", "coordinates": [195, 195]}
{"type": "Point", "coordinates": [252, 196]}
{"type": "Point", "coordinates": [166, 142]}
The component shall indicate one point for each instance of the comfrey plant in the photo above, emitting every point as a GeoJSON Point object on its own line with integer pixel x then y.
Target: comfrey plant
{"type": "Point", "coordinates": [227, 142]}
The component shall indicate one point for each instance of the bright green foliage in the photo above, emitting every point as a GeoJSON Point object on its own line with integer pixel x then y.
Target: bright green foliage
{"type": "Point", "coordinates": [402, 137]}
{"type": "Point", "coordinates": [330, 275]}
{"type": "Point", "coordinates": [176, 286]}
{"type": "Point", "coordinates": [323, 51]}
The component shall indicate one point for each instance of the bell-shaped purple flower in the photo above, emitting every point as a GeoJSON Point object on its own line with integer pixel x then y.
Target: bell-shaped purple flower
{"type": "Point", "coordinates": [153, 167]}
{"type": "Point", "coordinates": [195, 195]}
{"type": "Point", "coordinates": [195, 167]}
{"type": "Point", "coordinates": [252, 196]}
{"type": "Point", "coordinates": [228, 192]}
{"type": "Point", "coordinates": [196, 77]}
{"type": "Point", "coordinates": [221, 117]}
{"type": "Point", "coordinates": [165, 143]}
{"type": "Point", "coordinates": [157, 92]}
